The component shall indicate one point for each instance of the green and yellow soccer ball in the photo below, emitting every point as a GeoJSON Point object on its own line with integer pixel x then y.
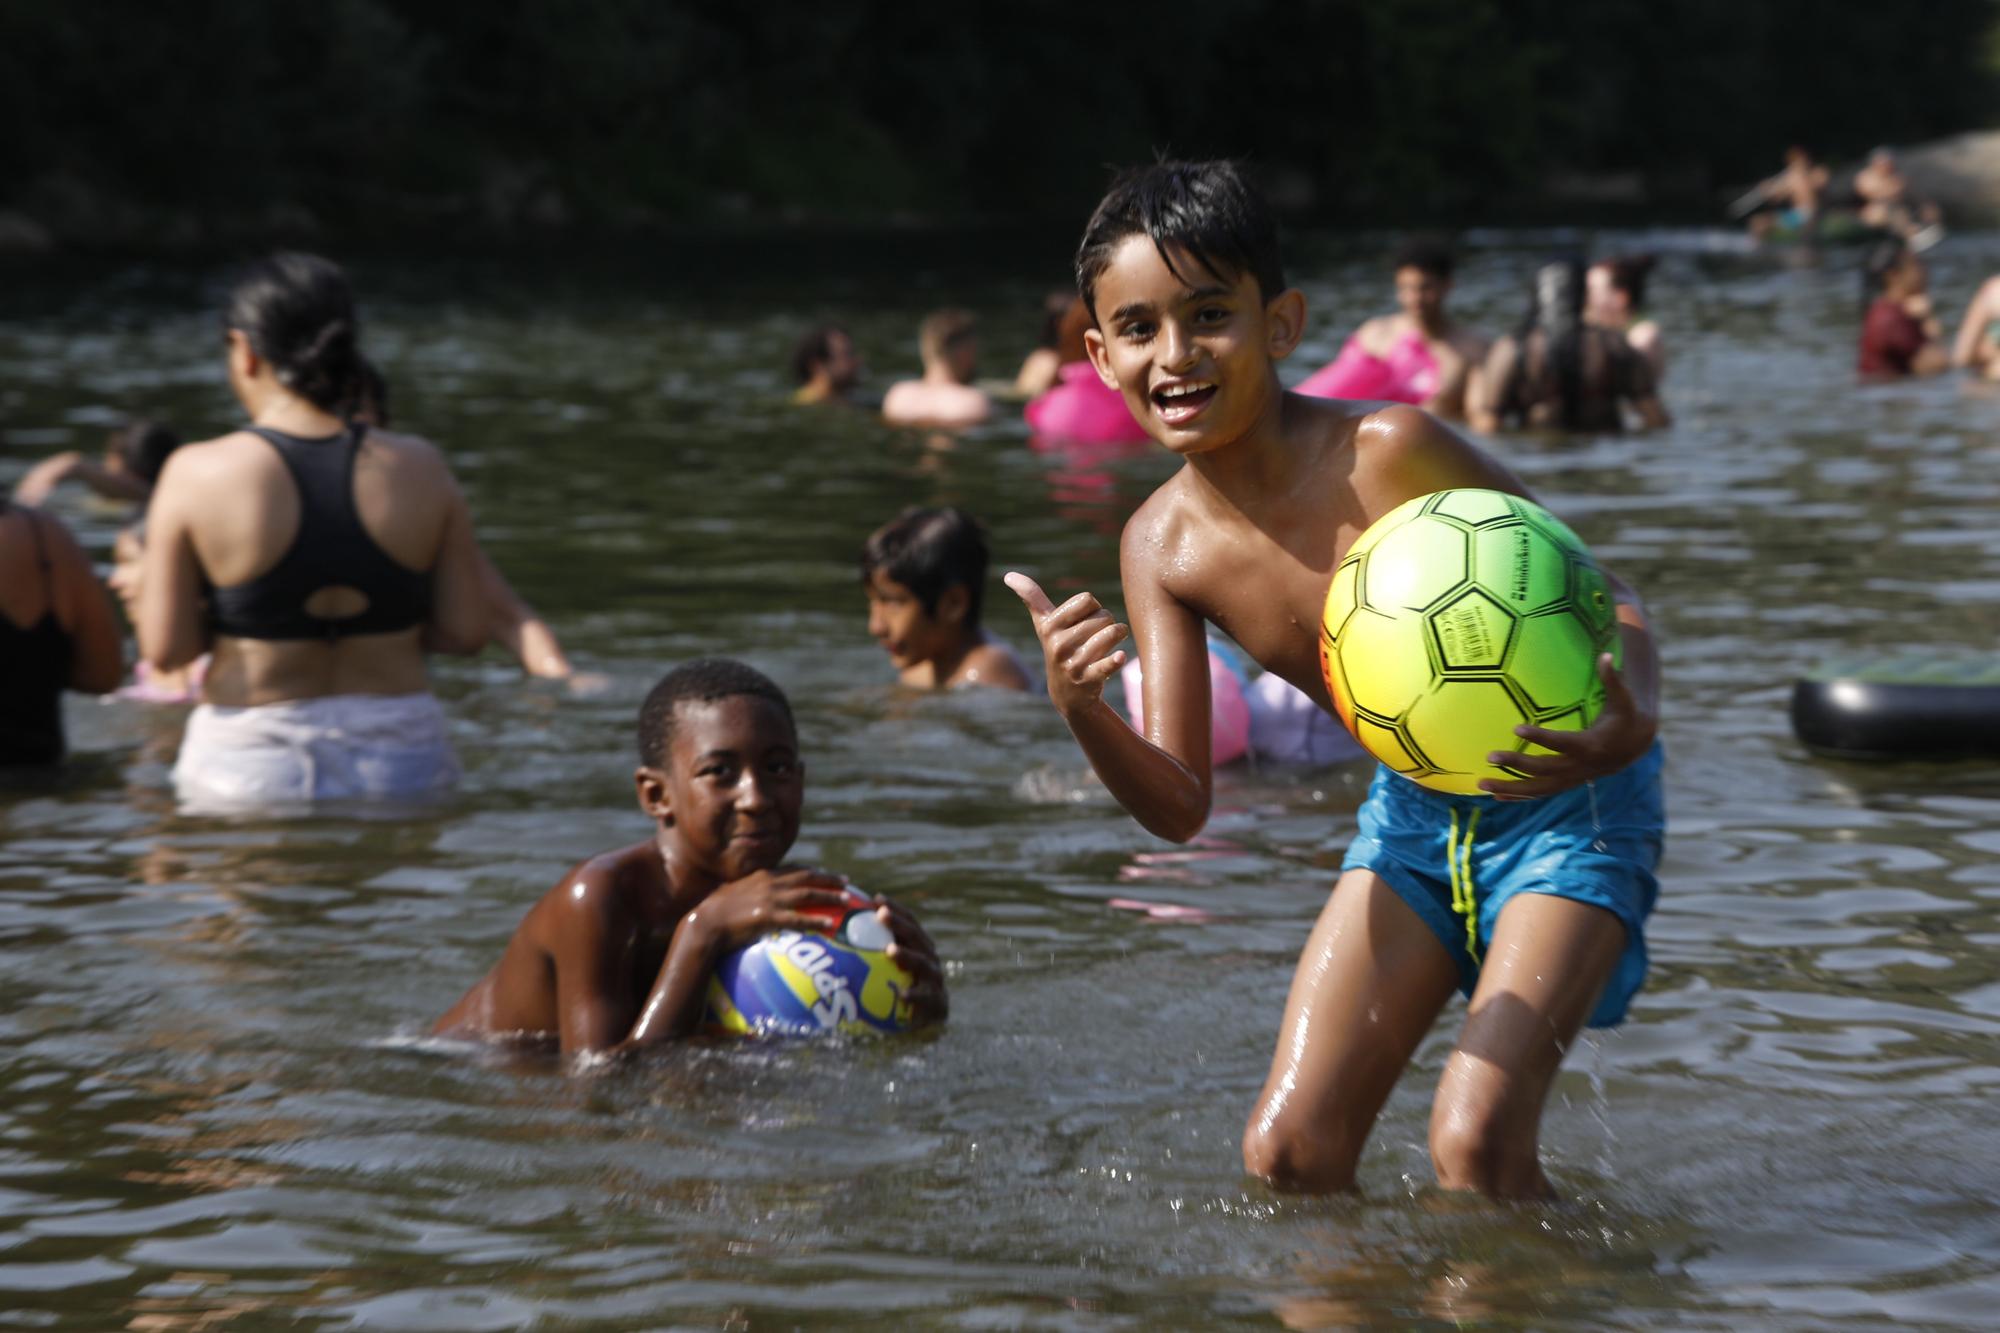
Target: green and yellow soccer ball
{"type": "Point", "coordinates": [1457, 617]}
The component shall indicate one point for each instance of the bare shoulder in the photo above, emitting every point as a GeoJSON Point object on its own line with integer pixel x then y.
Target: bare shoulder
{"type": "Point", "coordinates": [1158, 526]}
{"type": "Point", "coordinates": [596, 893]}
{"type": "Point", "coordinates": [1404, 450]}
{"type": "Point", "coordinates": [412, 450]}
{"type": "Point", "coordinates": [994, 665]}
{"type": "Point", "coordinates": [1378, 332]}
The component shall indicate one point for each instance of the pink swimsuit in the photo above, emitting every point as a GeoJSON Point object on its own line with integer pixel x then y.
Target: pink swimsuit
{"type": "Point", "coordinates": [1408, 375]}
{"type": "Point", "coordinates": [1080, 408]}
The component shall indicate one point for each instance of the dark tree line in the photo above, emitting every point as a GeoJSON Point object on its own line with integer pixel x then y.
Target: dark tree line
{"type": "Point", "coordinates": [388, 115]}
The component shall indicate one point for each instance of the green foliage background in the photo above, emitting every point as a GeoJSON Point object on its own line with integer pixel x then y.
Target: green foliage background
{"type": "Point", "coordinates": [390, 115]}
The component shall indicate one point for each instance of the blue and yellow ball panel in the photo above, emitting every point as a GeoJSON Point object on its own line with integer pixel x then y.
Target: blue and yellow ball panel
{"type": "Point", "coordinates": [803, 984]}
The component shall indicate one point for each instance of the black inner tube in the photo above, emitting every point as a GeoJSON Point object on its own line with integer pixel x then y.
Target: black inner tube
{"type": "Point", "coordinates": [1853, 718]}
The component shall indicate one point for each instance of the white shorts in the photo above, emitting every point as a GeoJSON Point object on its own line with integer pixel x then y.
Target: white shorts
{"type": "Point", "coordinates": [342, 747]}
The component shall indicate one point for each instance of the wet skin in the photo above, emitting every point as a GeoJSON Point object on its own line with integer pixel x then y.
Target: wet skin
{"type": "Point", "coordinates": [617, 955]}
{"type": "Point", "coordinates": [935, 649]}
{"type": "Point", "coordinates": [1275, 489]}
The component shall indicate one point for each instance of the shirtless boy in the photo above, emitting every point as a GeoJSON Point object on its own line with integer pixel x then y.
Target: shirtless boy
{"type": "Point", "coordinates": [616, 957]}
{"type": "Point", "coordinates": [948, 341]}
{"type": "Point", "coordinates": [925, 575]}
{"type": "Point", "coordinates": [1180, 266]}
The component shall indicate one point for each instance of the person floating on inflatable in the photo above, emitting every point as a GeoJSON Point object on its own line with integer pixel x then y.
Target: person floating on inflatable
{"type": "Point", "coordinates": [1080, 408]}
{"type": "Point", "coordinates": [1532, 896]}
{"type": "Point", "coordinates": [1418, 355]}
{"type": "Point", "coordinates": [617, 956]}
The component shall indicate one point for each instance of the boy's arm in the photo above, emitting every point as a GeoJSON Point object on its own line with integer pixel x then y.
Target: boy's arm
{"type": "Point", "coordinates": [732, 916]}
{"type": "Point", "coordinates": [592, 958]}
{"type": "Point", "coordinates": [1413, 453]}
{"type": "Point", "coordinates": [1164, 782]}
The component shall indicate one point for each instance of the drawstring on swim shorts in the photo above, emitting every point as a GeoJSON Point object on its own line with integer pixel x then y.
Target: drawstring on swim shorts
{"type": "Point", "coordinates": [1458, 860]}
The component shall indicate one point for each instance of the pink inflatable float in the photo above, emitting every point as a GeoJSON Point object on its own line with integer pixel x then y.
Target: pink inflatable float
{"type": "Point", "coordinates": [1409, 374]}
{"type": "Point", "coordinates": [1228, 709]}
{"type": "Point", "coordinates": [1080, 408]}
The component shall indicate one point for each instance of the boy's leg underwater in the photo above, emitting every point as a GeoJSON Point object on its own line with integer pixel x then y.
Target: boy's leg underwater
{"type": "Point", "coordinates": [1368, 987]}
{"type": "Point", "coordinates": [1547, 963]}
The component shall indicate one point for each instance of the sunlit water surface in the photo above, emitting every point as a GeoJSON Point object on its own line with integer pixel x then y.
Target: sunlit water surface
{"type": "Point", "coordinates": [215, 1112]}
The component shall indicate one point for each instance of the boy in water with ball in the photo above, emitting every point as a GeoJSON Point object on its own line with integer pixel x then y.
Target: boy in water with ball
{"type": "Point", "coordinates": [617, 956]}
{"type": "Point", "coordinates": [1180, 268]}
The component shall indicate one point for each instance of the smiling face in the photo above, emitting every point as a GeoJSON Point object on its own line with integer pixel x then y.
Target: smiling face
{"type": "Point", "coordinates": [907, 632]}
{"type": "Point", "coordinates": [1193, 354]}
{"type": "Point", "coordinates": [729, 799]}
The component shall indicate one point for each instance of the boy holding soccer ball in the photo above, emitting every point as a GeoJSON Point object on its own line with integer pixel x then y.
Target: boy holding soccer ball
{"type": "Point", "coordinates": [1180, 268]}
{"type": "Point", "coordinates": [617, 955]}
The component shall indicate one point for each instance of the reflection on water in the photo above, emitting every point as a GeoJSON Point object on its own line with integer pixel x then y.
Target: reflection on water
{"type": "Point", "coordinates": [215, 1109]}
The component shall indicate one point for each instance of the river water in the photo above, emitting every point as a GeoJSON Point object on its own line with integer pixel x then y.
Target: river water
{"type": "Point", "coordinates": [216, 1110]}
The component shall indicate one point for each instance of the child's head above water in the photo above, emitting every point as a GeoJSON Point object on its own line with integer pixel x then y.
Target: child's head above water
{"type": "Point", "coordinates": [950, 338]}
{"type": "Point", "coordinates": [139, 448]}
{"type": "Point", "coordinates": [925, 574]}
{"type": "Point", "coordinates": [719, 768]}
{"type": "Point", "coordinates": [1204, 212]}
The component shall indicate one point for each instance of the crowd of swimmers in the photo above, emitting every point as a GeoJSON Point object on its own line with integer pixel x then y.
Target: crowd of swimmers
{"type": "Point", "coordinates": [298, 617]}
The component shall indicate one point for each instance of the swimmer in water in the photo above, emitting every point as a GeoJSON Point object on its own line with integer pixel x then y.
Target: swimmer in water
{"type": "Point", "coordinates": [616, 957]}
{"type": "Point", "coordinates": [133, 457]}
{"type": "Point", "coordinates": [1977, 347]}
{"type": "Point", "coordinates": [149, 684]}
{"type": "Point", "coordinates": [1181, 268]}
{"type": "Point", "coordinates": [1417, 355]}
{"type": "Point", "coordinates": [945, 396]}
{"type": "Point", "coordinates": [1038, 369]}
{"type": "Point", "coordinates": [925, 575]}
{"type": "Point", "coordinates": [57, 632]}
{"type": "Point", "coordinates": [1615, 298]}
{"type": "Point", "coordinates": [1900, 333]}
{"type": "Point", "coordinates": [826, 366]}
{"type": "Point", "coordinates": [1558, 372]}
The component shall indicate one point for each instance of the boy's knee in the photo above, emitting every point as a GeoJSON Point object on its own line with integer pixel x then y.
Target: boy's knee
{"type": "Point", "coordinates": [1296, 1158]}
{"type": "Point", "coordinates": [1481, 1149]}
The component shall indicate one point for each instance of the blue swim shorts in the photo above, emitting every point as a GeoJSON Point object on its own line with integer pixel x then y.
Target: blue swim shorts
{"type": "Point", "coordinates": [1457, 860]}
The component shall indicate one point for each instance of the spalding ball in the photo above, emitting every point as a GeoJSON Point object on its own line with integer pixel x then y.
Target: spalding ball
{"type": "Point", "coordinates": [1457, 617]}
{"type": "Point", "coordinates": [804, 983]}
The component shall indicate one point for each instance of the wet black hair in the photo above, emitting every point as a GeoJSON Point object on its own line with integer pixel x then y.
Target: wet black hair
{"type": "Point", "coordinates": [298, 313]}
{"type": "Point", "coordinates": [1628, 275]}
{"type": "Point", "coordinates": [928, 551]}
{"type": "Point", "coordinates": [142, 446]}
{"type": "Point", "coordinates": [703, 680]}
{"type": "Point", "coordinates": [1424, 255]}
{"type": "Point", "coordinates": [813, 349]}
{"type": "Point", "coordinates": [1206, 211]}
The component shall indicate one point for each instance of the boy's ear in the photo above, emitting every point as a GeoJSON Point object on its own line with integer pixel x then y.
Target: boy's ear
{"type": "Point", "coordinates": [1100, 355]}
{"type": "Point", "coordinates": [651, 785]}
{"type": "Point", "coordinates": [1284, 322]}
{"type": "Point", "coordinates": [953, 603]}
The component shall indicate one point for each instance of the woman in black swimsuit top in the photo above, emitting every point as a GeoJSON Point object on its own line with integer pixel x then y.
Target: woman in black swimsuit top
{"type": "Point", "coordinates": [317, 558]}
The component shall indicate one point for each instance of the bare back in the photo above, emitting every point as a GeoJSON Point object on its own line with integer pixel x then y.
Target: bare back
{"type": "Point", "coordinates": [406, 502]}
